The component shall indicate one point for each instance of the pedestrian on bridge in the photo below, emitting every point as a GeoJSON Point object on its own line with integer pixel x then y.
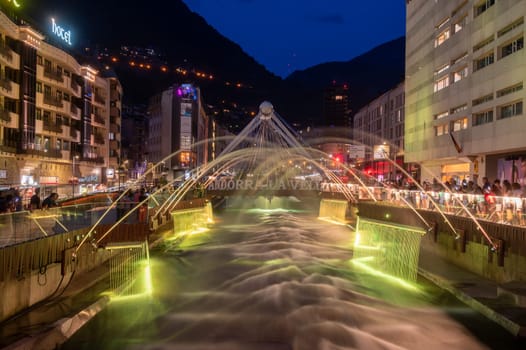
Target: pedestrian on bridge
{"type": "Point", "coordinates": [34, 202]}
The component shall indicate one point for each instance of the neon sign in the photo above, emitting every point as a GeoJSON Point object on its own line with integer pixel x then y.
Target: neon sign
{"type": "Point", "coordinates": [61, 32]}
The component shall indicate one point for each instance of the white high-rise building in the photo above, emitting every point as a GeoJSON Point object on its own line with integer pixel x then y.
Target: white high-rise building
{"type": "Point", "coordinates": [465, 71]}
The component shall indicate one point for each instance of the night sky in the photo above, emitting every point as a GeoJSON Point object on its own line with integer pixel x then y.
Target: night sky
{"type": "Point", "coordinates": [288, 35]}
{"type": "Point", "coordinates": [283, 35]}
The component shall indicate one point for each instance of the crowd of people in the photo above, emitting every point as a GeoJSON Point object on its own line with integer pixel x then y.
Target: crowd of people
{"type": "Point", "coordinates": [501, 201]}
{"type": "Point", "coordinates": [11, 201]}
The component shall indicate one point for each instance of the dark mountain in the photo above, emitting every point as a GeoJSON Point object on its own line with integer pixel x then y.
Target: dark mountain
{"type": "Point", "coordinates": [368, 76]}
{"type": "Point", "coordinates": [187, 41]}
{"type": "Point", "coordinates": [183, 36]}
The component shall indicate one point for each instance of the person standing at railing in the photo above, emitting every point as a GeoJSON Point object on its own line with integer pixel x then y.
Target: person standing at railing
{"type": "Point", "coordinates": [34, 202]}
{"type": "Point", "coordinates": [50, 201]}
{"type": "Point", "coordinates": [518, 197]}
{"type": "Point", "coordinates": [486, 185]}
{"type": "Point", "coordinates": [143, 208]}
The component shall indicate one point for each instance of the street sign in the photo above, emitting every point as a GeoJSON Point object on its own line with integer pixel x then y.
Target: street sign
{"type": "Point", "coordinates": [356, 151]}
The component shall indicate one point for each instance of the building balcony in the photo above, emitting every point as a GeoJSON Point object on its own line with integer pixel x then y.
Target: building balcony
{"type": "Point", "coordinates": [6, 52]}
{"type": "Point", "coordinates": [98, 138]}
{"type": "Point", "coordinates": [75, 111]}
{"type": "Point", "coordinates": [99, 99]}
{"type": "Point", "coordinates": [51, 153]}
{"type": "Point", "coordinates": [115, 112]}
{"type": "Point", "coordinates": [5, 115]}
{"type": "Point", "coordinates": [9, 88]}
{"type": "Point", "coordinates": [75, 87]}
{"type": "Point", "coordinates": [53, 74]}
{"type": "Point", "coordinates": [8, 146]}
{"type": "Point", "coordinates": [52, 127]}
{"type": "Point", "coordinates": [73, 132]}
{"type": "Point", "coordinates": [114, 144]}
{"type": "Point", "coordinates": [53, 101]}
{"type": "Point", "coordinates": [94, 159]}
{"type": "Point", "coordinates": [98, 119]}
{"type": "Point", "coordinates": [8, 57]}
{"type": "Point", "coordinates": [114, 128]}
{"type": "Point", "coordinates": [5, 84]}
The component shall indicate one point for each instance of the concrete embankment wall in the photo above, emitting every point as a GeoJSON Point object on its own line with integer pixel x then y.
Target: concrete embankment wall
{"type": "Point", "coordinates": [472, 250]}
{"type": "Point", "coordinates": [35, 271]}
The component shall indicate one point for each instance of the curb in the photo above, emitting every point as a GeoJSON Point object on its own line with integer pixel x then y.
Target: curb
{"type": "Point", "coordinates": [512, 327]}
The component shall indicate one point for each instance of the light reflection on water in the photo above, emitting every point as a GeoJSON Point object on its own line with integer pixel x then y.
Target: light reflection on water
{"type": "Point", "coordinates": [271, 280]}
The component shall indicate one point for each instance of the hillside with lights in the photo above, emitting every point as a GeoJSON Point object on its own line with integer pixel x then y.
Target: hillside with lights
{"type": "Point", "coordinates": [186, 49]}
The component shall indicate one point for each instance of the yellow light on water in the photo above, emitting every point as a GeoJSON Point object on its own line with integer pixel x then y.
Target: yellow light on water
{"type": "Point", "coordinates": [387, 277]}
{"type": "Point", "coordinates": [332, 221]}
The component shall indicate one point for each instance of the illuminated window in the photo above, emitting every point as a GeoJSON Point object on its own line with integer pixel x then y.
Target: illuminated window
{"type": "Point", "coordinates": [442, 115]}
{"type": "Point", "coordinates": [441, 83]}
{"type": "Point", "coordinates": [443, 23]}
{"type": "Point", "coordinates": [460, 24]}
{"type": "Point", "coordinates": [459, 124]}
{"type": "Point", "coordinates": [442, 37]}
{"type": "Point", "coordinates": [459, 58]}
{"type": "Point", "coordinates": [459, 108]}
{"type": "Point", "coordinates": [460, 74]}
{"type": "Point", "coordinates": [442, 129]}
{"type": "Point", "coordinates": [441, 69]}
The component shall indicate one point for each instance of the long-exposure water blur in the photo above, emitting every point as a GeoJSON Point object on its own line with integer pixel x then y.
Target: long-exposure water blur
{"type": "Point", "coordinates": [281, 279]}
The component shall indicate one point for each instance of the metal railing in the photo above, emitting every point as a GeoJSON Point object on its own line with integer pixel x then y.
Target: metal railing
{"type": "Point", "coordinates": [508, 210]}
{"type": "Point", "coordinates": [53, 100]}
{"type": "Point", "coordinates": [53, 74]}
{"type": "Point", "coordinates": [5, 115]}
{"type": "Point", "coordinates": [52, 127]}
{"type": "Point", "coordinates": [22, 226]}
{"type": "Point", "coordinates": [5, 51]}
{"type": "Point", "coordinates": [5, 83]}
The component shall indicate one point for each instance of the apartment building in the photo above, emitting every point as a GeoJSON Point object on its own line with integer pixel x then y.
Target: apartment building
{"type": "Point", "coordinates": [335, 107]}
{"type": "Point", "coordinates": [465, 71]}
{"type": "Point", "coordinates": [59, 118]}
{"type": "Point", "coordinates": [378, 128]}
{"type": "Point", "coordinates": [178, 126]}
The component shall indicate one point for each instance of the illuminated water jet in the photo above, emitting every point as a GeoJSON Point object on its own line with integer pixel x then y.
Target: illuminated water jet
{"type": "Point", "coordinates": [391, 249]}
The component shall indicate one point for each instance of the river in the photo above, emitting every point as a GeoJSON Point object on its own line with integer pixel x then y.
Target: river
{"type": "Point", "coordinates": [276, 279]}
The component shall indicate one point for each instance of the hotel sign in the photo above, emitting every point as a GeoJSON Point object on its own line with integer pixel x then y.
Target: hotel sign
{"type": "Point", "coordinates": [60, 32]}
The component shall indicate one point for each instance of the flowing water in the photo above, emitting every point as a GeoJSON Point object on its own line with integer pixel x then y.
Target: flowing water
{"type": "Point", "coordinates": [275, 279]}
